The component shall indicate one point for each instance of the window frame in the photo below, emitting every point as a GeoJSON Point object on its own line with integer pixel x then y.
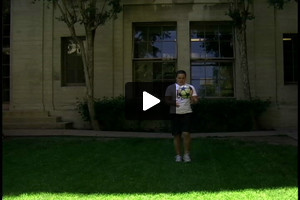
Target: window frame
{"type": "Point", "coordinates": [218, 59]}
{"type": "Point", "coordinates": [162, 60]}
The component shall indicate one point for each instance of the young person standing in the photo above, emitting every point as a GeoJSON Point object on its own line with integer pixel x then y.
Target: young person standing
{"type": "Point", "coordinates": [181, 113]}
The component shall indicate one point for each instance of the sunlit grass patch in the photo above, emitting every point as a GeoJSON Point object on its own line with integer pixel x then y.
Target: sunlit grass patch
{"type": "Point", "coordinates": [89, 168]}
{"type": "Point", "coordinates": [247, 194]}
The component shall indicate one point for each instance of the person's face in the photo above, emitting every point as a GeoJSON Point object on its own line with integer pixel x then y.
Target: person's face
{"type": "Point", "coordinates": [180, 79]}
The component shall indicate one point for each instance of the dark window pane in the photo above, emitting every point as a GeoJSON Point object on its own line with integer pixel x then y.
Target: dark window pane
{"type": "Point", "coordinates": [196, 84]}
{"type": "Point", "coordinates": [212, 49]}
{"type": "Point", "coordinates": [288, 75]}
{"type": "Point", "coordinates": [6, 42]}
{"type": "Point", "coordinates": [6, 18]}
{"type": "Point", "coordinates": [290, 53]}
{"type": "Point", "coordinates": [169, 50]}
{"type": "Point", "coordinates": [5, 96]}
{"type": "Point", "coordinates": [141, 34]}
{"type": "Point", "coordinates": [198, 72]}
{"type": "Point", "coordinates": [168, 71]}
{"type": "Point", "coordinates": [210, 89]}
{"type": "Point", "coordinates": [161, 41]}
{"type": "Point", "coordinates": [213, 79]}
{"type": "Point", "coordinates": [157, 72]}
{"type": "Point", "coordinates": [169, 33]}
{"type": "Point", "coordinates": [72, 69]}
{"type": "Point", "coordinates": [6, 30]}
{"type": "Point", "coordinates": [197, 32]}
{"type": "Point", "coordinates": [70, 76]}
{"type": "Point", "coordinates": [226, 71]}
{"type": "Point", "coordinates": [6, 83]}
{"type": "Point", "coordinates": [155, 50]}
{"type": "Point", "coordinates": [5, 58]}
{"type": "Point", "coordinates": [226, 49]}
{"type": "Point", "coordinates": [198, 50]}
{"type": "Point", "coordinates": [155, 33]}
{"type": "Point", "coordinates": [143, 71]}
{"type": "Point", "coordinates": [225, 32]}
{"type": "Point", "coordinates": [226, 87]}
{"type": "Point", "coordinates": [5, 71]}
{"type": "Point", "coordinates": [140, 49]}
{"type": "Point", "coordinates": [6, 11]}
{"type": "Point", "coordinates": [225, 37]}
{"type": "Point", "coordinates": [148, 71]}
{"type": "Point", "coordinates": [212, 32]}
{"type": "Point", "coordinates": [217, 37]}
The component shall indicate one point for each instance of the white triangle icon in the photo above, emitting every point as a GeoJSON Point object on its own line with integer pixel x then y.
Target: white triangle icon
{"type": "Point", "coordinates": [149, 101]}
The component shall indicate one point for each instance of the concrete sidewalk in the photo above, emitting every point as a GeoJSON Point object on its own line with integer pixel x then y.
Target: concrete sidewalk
{"type": "Point", "coordinates": [117, 134]}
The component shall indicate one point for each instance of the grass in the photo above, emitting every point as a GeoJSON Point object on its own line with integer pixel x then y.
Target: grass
{"type": "Point", "coordinates": [91, 168]}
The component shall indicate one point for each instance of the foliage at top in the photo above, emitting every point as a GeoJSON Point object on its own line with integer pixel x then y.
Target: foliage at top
{"type": "Point", "coordinates": [89, 12]}
{"type": "Point", "coordinates": [279, 3]}
{"type": "Point", "coordinates": [239, 12]}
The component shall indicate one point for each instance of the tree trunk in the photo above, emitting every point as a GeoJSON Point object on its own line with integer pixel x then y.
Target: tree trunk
{"type": "Point", "coordinates": [242, 41]}
{"type": "Point", "coordinates": [88, 65]}
{"type": "Point", "coordinates": [90, 37]}
{"type": "Point", "coordinates": [91, 107]}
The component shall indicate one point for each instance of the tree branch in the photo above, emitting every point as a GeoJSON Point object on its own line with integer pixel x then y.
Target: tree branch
{"type": "Point", "coordinates": [82, 12]}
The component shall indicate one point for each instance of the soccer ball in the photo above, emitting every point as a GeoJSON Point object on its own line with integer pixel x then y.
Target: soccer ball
{"type": "Point", "coordinates": [185, 91]}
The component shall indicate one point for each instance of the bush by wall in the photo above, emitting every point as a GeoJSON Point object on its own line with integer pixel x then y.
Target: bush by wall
{"type": "Point", "coordinates": [209, 115]}
{"type": "Point", "coordinates": [221, 115]}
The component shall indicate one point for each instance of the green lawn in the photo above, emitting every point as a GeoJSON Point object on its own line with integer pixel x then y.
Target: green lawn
{"type": "Point", "coordinates": [91, 168]}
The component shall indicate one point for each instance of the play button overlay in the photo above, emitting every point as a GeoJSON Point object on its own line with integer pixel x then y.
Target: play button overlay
{"type": "Point", "coordinates": [149, 101]}
{"type": "Point", "coordinates": [146, 101]}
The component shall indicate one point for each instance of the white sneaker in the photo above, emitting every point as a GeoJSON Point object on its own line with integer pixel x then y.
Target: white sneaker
{"type": "Point", "coordinates": [178, 158]}
{"type": "Point", "coordinates": [187, 158]}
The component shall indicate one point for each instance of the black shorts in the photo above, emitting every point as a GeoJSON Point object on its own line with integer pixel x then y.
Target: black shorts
{"type": "Point", "coordinates": [181, 123]}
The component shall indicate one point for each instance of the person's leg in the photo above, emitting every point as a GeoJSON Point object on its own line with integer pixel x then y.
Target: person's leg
{"type": "Point", "coordinates": [176, 132]}
{"type": "Point", "coordinates": [177, 144]}
{"type": "Point", "coordinates": [187, 142]}
{"type": "Point", "coordinates": [187, 137]}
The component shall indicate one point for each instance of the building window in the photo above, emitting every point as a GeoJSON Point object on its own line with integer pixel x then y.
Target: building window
{"type": "Point", "coordinates": [155, 52]}
{"type": "Point", "coordinates": [72, 65]}
{"type": "Point", "coordinates": [212, 58]}
{"type": "Point", "coordinates": [290, 58]}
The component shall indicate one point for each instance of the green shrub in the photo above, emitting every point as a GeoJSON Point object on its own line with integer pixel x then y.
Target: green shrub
{"type": "Point", "coordinates": [218, 115]}
{"type": "Point", "coordinates": [108, 111]}
{"type": "Point", "coordinates": [209, 115]}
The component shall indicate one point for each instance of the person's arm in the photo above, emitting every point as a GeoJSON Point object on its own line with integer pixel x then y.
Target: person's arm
{"type": "Point", "coordinates": [170, 95]}
{"type": "Point", "coordinates": [169, 101]}
{"type": "Point", "coordinates": [194, 97]}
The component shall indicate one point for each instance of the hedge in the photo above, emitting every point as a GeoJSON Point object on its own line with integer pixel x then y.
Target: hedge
{"type": "Point", "coordinates": [209, 115]}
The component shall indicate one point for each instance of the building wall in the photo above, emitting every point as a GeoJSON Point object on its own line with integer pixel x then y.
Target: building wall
{"type": "Point", "coordinates": [26, 43]}
{"type": "Point", "coordinates": [268, 76]}
{"type": "Point", "coordinates": [36, 58]}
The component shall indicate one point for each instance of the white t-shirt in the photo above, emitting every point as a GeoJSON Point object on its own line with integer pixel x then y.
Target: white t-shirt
{"type": "Point", "coordinates": [184, 104]}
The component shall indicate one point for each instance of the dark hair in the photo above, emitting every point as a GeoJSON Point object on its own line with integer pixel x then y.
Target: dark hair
{"type": "Point", "coordinates": [180, 72]}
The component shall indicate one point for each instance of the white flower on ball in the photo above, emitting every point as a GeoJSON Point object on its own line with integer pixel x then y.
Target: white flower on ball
{"type": "Point", "coordinates": [185, 91]}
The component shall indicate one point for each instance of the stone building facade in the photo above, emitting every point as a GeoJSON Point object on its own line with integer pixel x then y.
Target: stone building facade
{"type": "Point", "coordinates": [149, 40]}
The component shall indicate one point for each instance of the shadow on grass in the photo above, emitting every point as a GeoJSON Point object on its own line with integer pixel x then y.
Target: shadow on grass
{"type": "Point", "coordinates": [91, 165]}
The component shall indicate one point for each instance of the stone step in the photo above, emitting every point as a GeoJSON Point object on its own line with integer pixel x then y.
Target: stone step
{"type": "Point", "coordinates": [33, 119]}
{"type": "Point", "coordinates": [49, 119]}
{"type": "Point", "coordinates": [36, 125]}
{"type": "Point", "coordinates": [25, 113]}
